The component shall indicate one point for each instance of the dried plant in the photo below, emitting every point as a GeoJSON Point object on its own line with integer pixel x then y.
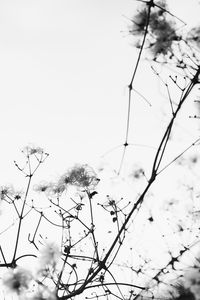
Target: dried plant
{"type": "Point", "coordinates": [79, 242]}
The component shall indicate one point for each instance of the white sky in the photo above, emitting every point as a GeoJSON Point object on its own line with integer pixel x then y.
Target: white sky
{"type": "Point", "coordinates": [63, 73]}
{"type": "Point", "coordinates": [65, 66]}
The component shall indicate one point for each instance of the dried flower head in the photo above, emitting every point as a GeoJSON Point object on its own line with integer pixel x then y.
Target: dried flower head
{"type": "Point", "coordinates": [180, 292]}
{"type": "Point", "coordinates": [163, 42]}
{"type": "Point", "coordinates": [50, 189]}
{"type": "Point", "coordinates": [44, 294]}
{"type": "Point", "coordinates": [192, 281]}
{"type": "Point", "coordinates": [18, 195]}
{"type": "Point", "coordinates": [56, 189]}
{"type": "Point", "coordinates": [30, 150]}
{"type": "Point", "coordinates": [49, 256]}
{"type": "Point", "coordinates": [194, 36]}
{"type": "Point", "coordinates": [17, 280]}
{"type": "Point", "coordinates": [161, 31]}
{"type": "Point", "coordinates": [81, 176]}
{"type": "Point", "coordinates": [139, 22]}
{"type": "Point", "coordinates": [138, 173]}
{"type": "Point", "coordinates": [142, 18]}
{"type": "Point", "coordinates": [42, 187]}
{"type": "Point", "coordinates": [6, 192]}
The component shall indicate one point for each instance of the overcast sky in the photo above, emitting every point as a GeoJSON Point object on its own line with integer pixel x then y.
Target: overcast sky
{"type": "Point", "coordinates": [64, 70]}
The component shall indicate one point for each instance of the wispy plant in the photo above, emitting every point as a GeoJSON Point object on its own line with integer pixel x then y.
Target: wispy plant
{"type": "Point", "coordinates": [79, 239]}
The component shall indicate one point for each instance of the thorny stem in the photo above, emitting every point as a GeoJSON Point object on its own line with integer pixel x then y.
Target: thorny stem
{"type": "Point", "coordinates": [169, 263]}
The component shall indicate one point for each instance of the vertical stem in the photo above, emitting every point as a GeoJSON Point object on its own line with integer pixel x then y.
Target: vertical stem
{"type": "Point", "coordinates": [92, 224]}
{"type": "Point", "coordinates": [20, 219]}
{"type": "Point", "coordinates": [130, 87]}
